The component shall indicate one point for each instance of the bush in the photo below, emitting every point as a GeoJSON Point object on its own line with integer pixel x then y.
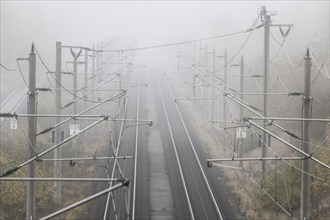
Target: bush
{"type": "Point", "coordinates": [284, 184]}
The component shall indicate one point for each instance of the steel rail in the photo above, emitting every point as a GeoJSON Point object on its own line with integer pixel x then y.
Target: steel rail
{"type": "Point", "coordinates": [196, 156]}
{"type": "Point", "coordinates": [176, 153]}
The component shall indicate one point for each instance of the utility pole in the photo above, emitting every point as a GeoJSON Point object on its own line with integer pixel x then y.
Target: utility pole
{"type": "Point", "coordinates": [85, 86]}
{"type": "Point", "coordinates": [118, 69]}
{"type": "Point", "coordinates": [32, 127]}
{"type": "Point", "coordinates": [75, 63]}
{"type": "Point", "coordinates": [265, 137]}
{"type": "Point", "coordinates": [213, 89]}
{"type": "Point", "coordinates": [265, 17]}
{"type": "Point", "coordinates": [200, 66]}
{"type": "Point", "coordinates": [97, 59]}
{"type": "Point", "coordinates": [58, 104]}
{"type": "Point", "coordinates": [86, 73]}
{"type": "Point", "coordinates": [224, 118]}
{"type": "Point", "coordinates": [93, 67]}
{"type": "Point", "coordinates": [240, 151]}
{"type": "Point", "coordinates": [102, 57]}
{"type": "Point", "coordinates": [204, 89]}
{"type": "Point", "coordinates": [178, 65]}
{"type": "Point", "coordinates": [305, 200]}
{"type": "Point", "coordinates": [194, 75]}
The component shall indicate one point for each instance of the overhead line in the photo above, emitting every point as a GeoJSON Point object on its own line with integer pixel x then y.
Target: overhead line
{"type": "Point", "coordinates": [286, 162]}
{"type": "Point", "coordinates": [43, 63]}
{"type": "Point", "coordinates": [82, 112]}
{"type": "Point", "coordinates": [87, 158]}
{"type": "Point", "coordinates": [325, 73]}
{"type": "Point", "coordinates": [306, 155]}
{"type": "Point", "coordinates": [67, 208]}
{"type": "Point", "coordinates": [247, 106]}
{"type": "Point", "coordinates": [187, 42]}
{"type": "Point", "coordinates": [95, 89]}
{"type": "Point", "coordinates": [45, 179]}
{"type": "Point", "coordinates": [178, 43]}
{"type": "Point", "coordinates": [6, 68]}
{"type": "Point", "coordinates": [35, 158]}
{"type": "Point", "coordinates": [291, 119]}
{"type": "Point", "coordinates": [20, 71]}
{"type": "Point", "coordinates": [116, 151]}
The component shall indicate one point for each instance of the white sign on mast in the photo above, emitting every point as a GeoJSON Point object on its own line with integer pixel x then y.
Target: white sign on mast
{"type": "Point", "coordinates": [13, 123]}
{"type": "Point", "coordinates": [74, 129]}
{"type": "Point", "coordinates": [241, 132]}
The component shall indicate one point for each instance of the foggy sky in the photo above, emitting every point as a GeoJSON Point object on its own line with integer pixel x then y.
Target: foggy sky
{"type": "Point", "coordinates": [149, 23]}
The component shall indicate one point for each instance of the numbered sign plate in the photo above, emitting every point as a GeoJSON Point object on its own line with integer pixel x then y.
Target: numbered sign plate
{"type": "Point", "coordinates": [74, 129]}
{"type": "Point", "coordinates": [13, 123]}
{"type": "Point", "coordinates": [241, 132]}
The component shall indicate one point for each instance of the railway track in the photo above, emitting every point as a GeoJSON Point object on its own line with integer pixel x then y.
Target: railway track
{"type": "Point", "coordinates": [199, 199]}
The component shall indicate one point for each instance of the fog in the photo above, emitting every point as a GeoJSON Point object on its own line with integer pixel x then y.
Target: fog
{"type": "Point", "coordinates": [144, 23]}
{"type": "Point", "coordinates": [138, 27]}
